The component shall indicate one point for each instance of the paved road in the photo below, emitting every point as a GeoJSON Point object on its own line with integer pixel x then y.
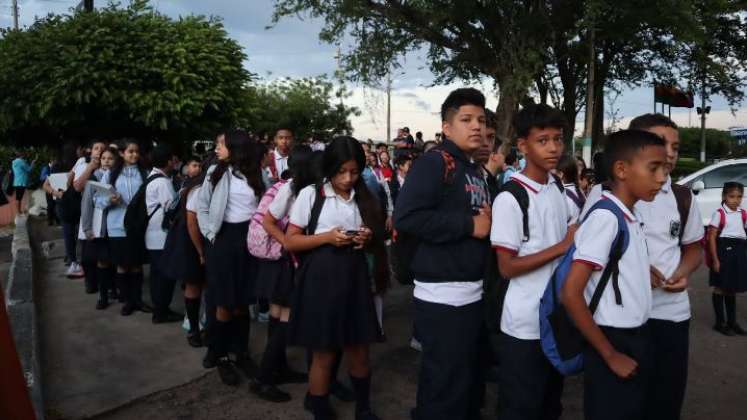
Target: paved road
{"type": "Point", "coordinates": [99, 361]}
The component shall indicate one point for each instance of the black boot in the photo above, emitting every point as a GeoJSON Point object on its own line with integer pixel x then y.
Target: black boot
{"type": "Point", "coordinates": [321, 408]}
{"type": "Point", "coordinates": [220, 345]}
{"type": "Point", "coordinates": [718, 309]}
{"type": "Point", "coordinates": [730, 302]}
{"type": "Point", "coordinates": [125, 290]}
{"type": "Point", "coordinates": [362, 387]}
{"type": "Point", "coordinates": [102, 273]}
{"type": "Point", "coordinates": [192, 307]}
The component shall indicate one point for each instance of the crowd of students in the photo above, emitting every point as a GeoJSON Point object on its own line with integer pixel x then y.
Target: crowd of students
{"type": "Point", "coordinates": [307, 231]}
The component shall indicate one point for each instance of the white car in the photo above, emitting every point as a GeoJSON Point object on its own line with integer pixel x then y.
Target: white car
{"type": "Point", "coordinates": [708, 182]}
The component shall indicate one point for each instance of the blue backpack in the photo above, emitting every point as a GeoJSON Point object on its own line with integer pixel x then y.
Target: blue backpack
{"type": "Point", "coordinates": [561, 341]}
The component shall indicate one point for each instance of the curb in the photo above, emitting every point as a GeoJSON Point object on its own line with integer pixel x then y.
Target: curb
{"type": "Point", "coordinates": [21, 307]}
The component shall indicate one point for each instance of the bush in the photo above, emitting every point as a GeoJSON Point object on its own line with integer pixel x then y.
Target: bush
{"type": "Point", "coordinates": [686, 166]}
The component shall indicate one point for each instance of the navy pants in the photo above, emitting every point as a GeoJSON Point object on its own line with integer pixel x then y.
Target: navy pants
{"type": "Point", "coordinates": [448, 377]}
{"type": "Point", "coordinates": [670, 342]}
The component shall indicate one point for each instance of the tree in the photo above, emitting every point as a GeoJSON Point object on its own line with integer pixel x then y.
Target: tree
{"type": "Point", "coordinates": [500, 39]}
{"type": "Point", "coordinates": [120, 72]}
{"type": "Point", "coordinates": [720, 144]}
{"type": "Point", "coordinates": [307, 106]}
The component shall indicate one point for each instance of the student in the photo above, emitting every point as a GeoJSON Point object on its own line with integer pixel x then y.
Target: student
{"type": "Point", "coordinates": [586, 181]}
{"type": "Point", "coordinates": [52, 167]}
{"type": "Point", "coordinates": [332, 307]}
{"type": "Point", "coordinates": [226, 202]}
{"type": "Point", "coordinates": [617, 359]}
{"type": "Point", "coordinates": [159, 194]}
{"type": "Point", "coordinates": [275, 281]}
{"type": "Point", "coordinates": [726, 245]}
{"type": "Point", "coordinates": [82, 172]}
{"type": "Point", "coordinates": [403, 164]}
{"type": "Point", "coordinates": [93, 224]}
{"type": "Point", "coordinates": [21, 170]}
{"type": "Point", "coordinates": [575, 199]}
{"type": "Point", "coordinates": [385, 171]}
{"type": "Point", "coordinates": [283, 141]}
{"type": "Point", "coordinates": [530, 388]}
{"type": "Point", "coordinates": [489, 157]}
{"type": "Point", "coordinates": [451, 224]}
{"type": "Point", "coordinates": [127, 252]}
{"type": "Point", "coordinates": [512, 162]}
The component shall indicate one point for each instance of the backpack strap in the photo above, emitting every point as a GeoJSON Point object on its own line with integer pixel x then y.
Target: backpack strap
{"type": "Point", "coordinates": [575, 198]}
{"type": "Point", "coordinates": [684, 199]}
{"type": "Point", "coordinates": [316, 209]}
{"type": "Point", "coordinates": [721, 220]}
{"type": "Point", "coordinates": [744, 217]}
{"type": "Point", "coordinates": [558, 183]}
{"type": "Point", "coordinates": [148, 180]}
{"type": "Point", "coordinates": [522, 197]}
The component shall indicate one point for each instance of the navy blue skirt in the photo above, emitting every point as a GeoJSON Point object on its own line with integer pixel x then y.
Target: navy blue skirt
{"type": "Point", "coordinates": [230, 268]}
{"type": "Point", "coordinates": [274, 280]}
{"type": "Point", "coordinates": [332, 303]}
{"type": "Point", "coordinates": [180, 259]}
{"type": "Point", "coordinates": [127, 252]}
{"type": "Point", "coordinates": [732, 255]}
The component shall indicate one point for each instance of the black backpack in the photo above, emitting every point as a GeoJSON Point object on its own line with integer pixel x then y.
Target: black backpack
{"type": "Point", "coordinates": [70, 205]}
{"type": "Point", "coordinates": [136, 216]}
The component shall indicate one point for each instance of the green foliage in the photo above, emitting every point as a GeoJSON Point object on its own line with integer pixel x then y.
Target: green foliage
{"type": "Point", "coordinates": [686, 166]}
{"type": "Point", "coordinates": [120, 71]}
{"type": "Point", "coordinates": [719, 143]}
{"type": "Point", "coordinates": [307, 106]}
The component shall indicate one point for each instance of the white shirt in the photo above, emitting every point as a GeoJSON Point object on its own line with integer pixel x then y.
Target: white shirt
{"type": "Point", "coordinates": [242, 202]}
{"type": "Point", "coordinates": [548, 225]}
{"type": "Point", "coordinates": [594, 240]}
{"type": "Point", "coordinates": [159, 194]}
{"type": "Point", "coordinates": [78, 169]}
{"type": "Point", "coordinates": [281, 162]}
{"type": "Point", "coordinates": [192, 200]}
{"type": "Point", "coordinates": [573, 209]}
{"type": "Point", "coordinates": [336, 211]}
{"type": "Point", "coordinates": [452, 293]}
{"type": "Point", "coordinates": [734, 228]}
{"type": "Point", "coordinates": [661, 224]}
{"type": "Point", "coordinates": [595, 194]}
{"type": "Point", "coordinates": [281, 204]}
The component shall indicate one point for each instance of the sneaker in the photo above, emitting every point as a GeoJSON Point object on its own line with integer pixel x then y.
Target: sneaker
{"type": "Point", "coordinates": [415, 344]}
{"type": "Point", "coordinates": [737, 329]}
{"type": "Point", "coordinates": [227, 372]}
{"type": "Point", "coordinates": [723, 329]}
{"type": "Point", "coordinates": [263, 317]}
{"type": "Point", "coordinates": [269, 393]}
{"type": "Point", "coordinates": [75, 271]}
{"type": "Point", "coordinates": [341, 392]}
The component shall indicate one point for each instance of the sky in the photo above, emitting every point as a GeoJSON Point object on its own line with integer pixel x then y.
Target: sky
{"type": "Point", "coordinates": [292, 49]}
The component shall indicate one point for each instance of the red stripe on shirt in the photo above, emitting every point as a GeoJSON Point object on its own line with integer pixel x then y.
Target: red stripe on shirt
{"type": "Point", "coordinates": [506, 249]}
{"type": "Point", "coordinates": [527, 186]}
{"type": "Point", "coordinates": [593, 265]}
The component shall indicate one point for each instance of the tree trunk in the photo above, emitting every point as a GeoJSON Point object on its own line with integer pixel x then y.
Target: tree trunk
{"type": "Point", "coordinates": [508, 105]}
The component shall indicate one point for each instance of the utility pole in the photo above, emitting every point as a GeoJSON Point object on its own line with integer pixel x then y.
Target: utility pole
{"type": "Point", "coordinates": [339, 72]}
{"type": "Point", "coordinates": [88, 5]}
{"type": "Point", "coordinates": [703, 110]}
{"type": "Point", "coordinates": [589, 120]}
{"type": "Point", "coordinates": [388, 108]}
{"type": "Point", "coordinates": [15, 14]}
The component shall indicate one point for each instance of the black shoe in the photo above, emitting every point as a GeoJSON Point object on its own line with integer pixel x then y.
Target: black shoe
{"type": "Point", "coordinates": [227, 372]}
{"type": "Point", "coordinates": [127, 309]}
{"type": "Point", "coordinates": [723, 329]}
{"type": "Point", "coordinates": [247, 366]}
{"type": "Point", "coordinates": [269, 393]}
{"type": "Point", "coordinates": [736, 329]}
{"type": "Point", "coordinates": [366, 415]}
{"type": "Point", "coordinates": [100, 305]}
{"type": "Point", "coordinates": [194, 339]}
{"type": "Point", "coordinates": [290, 376]}
{"type": "Point", "coordinates": [209, 361]}
{"type": "Point", "coordinates": [144, 308]}
{"type": "Point", "coordinates": [167, 318]}
{"type": "Point", "coordinates": [341, 392]}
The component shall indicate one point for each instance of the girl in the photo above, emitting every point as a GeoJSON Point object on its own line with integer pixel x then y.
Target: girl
{"type": "Point", "coordinates": [127, 253]}
{"type": "Point", "coordinates": [275, 282]}
{"type": "Point", "coordinates": [93, 224]}
{"type": "Point", "coordinates": [385, 169]}
{"type": "Point", "coordinates": [726, 245]}
{"type": "Point", "coordinates": [574, 197]}
{"type": "Point", "coordinates": [332, 306]}
{"type": "Point", "coordinates": [226, 202]}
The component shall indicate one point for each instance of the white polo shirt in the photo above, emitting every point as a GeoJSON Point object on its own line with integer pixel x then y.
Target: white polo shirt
{"type": "Point", "coordinates": [192, 199]}
{"type": "Point", "coordinates": [336, 211]}
{"type": "Point", "coordinates": [242, 202]}
{"type": "Point", "coordinates": [661, 224]}
{"type": "Point", "coordinates": [281, 204]}
{"type": "Point", "coordinates": [548, 224]}
{"type": "Point", "coordinates": [78, 169]}
{"type": "Point", "coordinates": [593, 241]}
{"type": "Point", "coordinates": [734, 228]}
{"type": "Point", "coordinates": [159, 194]}
{"type": "Point", "coordinates": [281, 162]}
{"type": "Point", "coordinates": [573, 210]}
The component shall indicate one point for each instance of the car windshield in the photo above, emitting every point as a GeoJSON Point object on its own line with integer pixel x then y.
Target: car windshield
{"type": "Point", "coordinates": [717, 177]}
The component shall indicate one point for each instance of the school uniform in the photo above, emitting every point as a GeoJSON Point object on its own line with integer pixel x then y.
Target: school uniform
{"type": "Point", "coordinates": [159, 195]}
{"type": "Point", "coordinates": [279, 165]}
{"type": "Point", "coordinates": [332, 305]}
{"type": "Point", "coordinates": [180, 258]}
{"type": "Point", "coordinates": [530, 388]}
{"type": "Point", "coordinates": [88, 249]}
{"type": "Point", "coordinates": [730, 247]}
{"type": "Point", "coordinates": [275, 277]}
{"type": "Point", "coordinates": [125, 251]}
{"type": "Point", "coordinates": [448, 270]}
{"type": "Point", "coordinates": [606, 396]}
{"type": "Point", "coordinates": [575, 201]}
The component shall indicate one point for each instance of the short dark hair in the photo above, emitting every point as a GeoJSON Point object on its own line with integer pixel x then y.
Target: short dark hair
{"type": "Point", "coordinates": [490, 119]}
{"type": "Point", "coordinates": [401, 160]}
{"type": "Point", "coordinates": [193, 158]}
{"type": "Point", "coordinates": [730, 186]}
{"type": "Point", "coordinates": [161, 155]}
{"type": "Point", "coordinates": [511, 157]}
{"type": "Point", "coordinates": [538, 116]}
{"type": "Point", "coordinates": [624, 144]}
{"type": "Point", "coordinates": [458, 98]}
{"type": "Point", "coordinates": [648, 121]}
{"type": "Point", "coordinates": [277, 130]}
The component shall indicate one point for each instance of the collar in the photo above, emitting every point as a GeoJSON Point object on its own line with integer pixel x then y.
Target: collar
{"type": "Point", "coordinates": [278, 156]}
{"type": "Point", "coordinates": [667, 187]}
{"type": "Point", "coordinates": [728, 210]}
{"type": "Point", "coordinates": [629, 216]}
{"type": "Point", "coordinates": [455, 151]}
{"type": "Point", "coordinates": [155, 171]}
{"type": "Point", "coordinates": [531, 184]}
{"type": "Point", "coordinates": [330, 192]}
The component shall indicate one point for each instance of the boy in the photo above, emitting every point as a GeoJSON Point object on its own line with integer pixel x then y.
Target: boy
{"type": "Point", "coordinates": [450, 219]}
{"type": "Point", "coordinates": [158, 197]}
{"type": "Point", "coordinates": [617, 361]}
{"type": "Point", "coordinates": [283, 142]}
{"type": "Point", "coordinates": [675, 252]}
{"type": "Point", "coordinates": [530, 388]}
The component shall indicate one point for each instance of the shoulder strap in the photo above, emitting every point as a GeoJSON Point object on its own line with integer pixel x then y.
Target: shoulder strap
{"type": "Point", "coordinates": [522, 197]}
{"type": "Point", "coordinates": [558, 183]}
{"type": "Point", "coordinates": [316, 209]}
{"type": "Point", "coordinates": [721, 220]}
{"type": "Point", "coordinates": [684, 200]}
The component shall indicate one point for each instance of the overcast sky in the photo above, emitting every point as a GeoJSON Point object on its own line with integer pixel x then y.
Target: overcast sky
{"type": "Point", "coordinates": [293, 49]}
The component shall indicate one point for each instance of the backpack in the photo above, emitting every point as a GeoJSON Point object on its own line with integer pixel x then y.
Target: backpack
{"type": "Point", "coordinates": [260, 243]}
{"type": "Point", "coordinates": [721, 225]}
{"type": "Point", "coordinates": [561, 341]}
{"type": "Point", "coordinates": [316, 210]}
{"type": "Point", "coordinates": [136, 216]}
{"type": "Point", "coordinates": [405, 245]}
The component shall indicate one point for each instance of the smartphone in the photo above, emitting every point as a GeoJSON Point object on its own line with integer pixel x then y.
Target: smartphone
{"type": "Point", "coordinates": [352, 232]}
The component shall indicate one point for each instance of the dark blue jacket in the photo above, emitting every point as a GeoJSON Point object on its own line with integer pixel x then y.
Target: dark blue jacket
{"type": "Point", "coordinates": [440, 215]}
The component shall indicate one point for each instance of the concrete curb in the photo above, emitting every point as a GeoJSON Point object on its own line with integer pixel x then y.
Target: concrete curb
{"type": "Point", "coordinates": [22, 312]}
